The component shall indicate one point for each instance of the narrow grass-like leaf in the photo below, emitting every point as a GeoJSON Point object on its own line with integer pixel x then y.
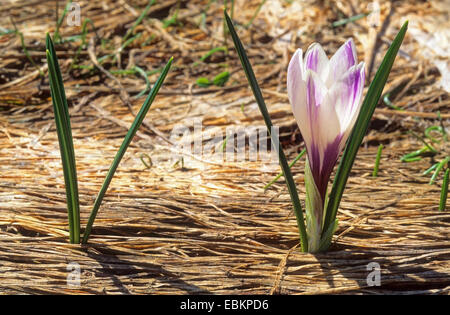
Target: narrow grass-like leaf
{"type": "Point", "coordinates": [147, 165]}
{"type": "Point", "coordinates": [420, 138]}
{"type": "Point", "coordinates": [281, 174]}
{"type": "Point", "coordinates": [221, 78]}
{"type": "Point", "coordinates": [147, 81]}
{"type": "Point", "coordinates": [413, 155]}
{"type": "Point", "coordinates": [276, 143]}
{"type": "Point", "coordinates": [24, 47]}
{"type": "Point", "coordinates": [388, 102]}
{"type": "Point", "coordinates": [444, 191]}
{"type": "Point", "coordinates": [432, 168]}
{"type": "Point", "coordinates": [83, 39]}
{"type": "Point", "coordinates": [360, 129]}
{"type": "Point", "coordinates": [210, 53]}
{"type": "Point", "coordinates": [173, 20]}
{"type": "Point", "coordinates": [438, 169]}
{"type": "Point", "coordinates": [64, 131]}
{"type": "Point", "coordinates": [444, 131]}
{"type": "Point", "coordinates": [434, 128]}
{"type": "Point", "coordinates": [138, 20]}
{"type": "Point", "coordinates": [350, 19]}
{"type": "Point", "coordinates": [203, 82]}
{"type": "Point", "coordinates": [126, 142]}
{"type": "Point", "coordinates": [60, 20]}
{"type": "Point", "coordinates": [255, 14]}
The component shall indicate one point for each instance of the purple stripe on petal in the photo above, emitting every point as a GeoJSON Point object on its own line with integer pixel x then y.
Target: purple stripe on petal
{"type": "Point", "coordinates": [322, 176]}
{"type": "Point", "coordinates": [355, 83]}
{"type": "Point", "coordinates": [312, 60]}
{"type": "Point", "coordinates": [331, 96]}
{"type": "Point", "coordinates": [315, 94]}
{"type": "Point", "coordinates": [314, 161]}
{"type": "Point", "coordinates": [311, 100]}
{"type": "Point", "coordinates": [311, 111]}
{"type": "Point", "coordinates": [316, 90]}
{"type": "Point", "coordinates": [317, 61]}
{"type": "Point", "coordinates": [351, 58]}
{"type": "Point", "coordinates": [342, 61]}
{"type": "Point", "coordinates": [354, 79]}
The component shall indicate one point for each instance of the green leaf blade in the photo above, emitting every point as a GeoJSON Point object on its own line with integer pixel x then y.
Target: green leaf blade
{"type": "Point", "coordinates": [65, 139]}
{"type": "Point", "coordinates": [276, 143]}
{"type": "Point", "coordinates": [121, 152]}
{"type": "Point", "coordinates": [367, 109]}
{"type": "Point", "coordinates": [444, 191]}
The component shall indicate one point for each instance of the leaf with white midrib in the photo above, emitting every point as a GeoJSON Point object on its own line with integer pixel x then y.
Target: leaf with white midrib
{"type": "Point", "coordinates": [276, 143]}
{"type": "Point", "coordinates": [64, 132]}
{"type": "Point", "coordinates": [360, 128]}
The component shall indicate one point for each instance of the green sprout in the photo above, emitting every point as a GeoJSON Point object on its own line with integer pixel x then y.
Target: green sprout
{"type": "Point", "coordinates": [218, 80]}
{"type": "Point", "coordinates": [377, 161]}
{"type": "Point", "coordinates": [64, 132]}
{"type": "Point", "coordinates": [444, 191]}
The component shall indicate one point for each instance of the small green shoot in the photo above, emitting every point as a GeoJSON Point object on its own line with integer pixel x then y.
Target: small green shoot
{"type": "Point", "coordinates": [210, 53]}
{"type": "Point", "coordinates": [129, 41]}
{"type": "Point", "coordinates": [298, 157]}
{"type": "Point", "coordinates": [388, 102]}
{"type": "Point", "coordinates": [221, 78]}
{"type": "Point", "coordinates": [147, 81]}
{"type": "Point", "coordinates": [203, 82]}
{"type": "Point", "coordinates": [439, 167]}
{"type": "Point", "coordinates": [427, 145]}
{"type": "Point", "coordinates": [138, 21]}
{"type": "Point", "coordinates": [57, 36]}
{"type": "Point", "coordinates": [429, 150]}
{"type": "Point", "coordinates": [178, 162]}
{"type": "Point", "coordinates": [149, 159]}
{"type": "Point", "coordinates": [218, 80]}
{"type": "Point", "coordinates": [224, 144]}
{"type": "Point", "coordinates": [432, 168]}
{"type": "Point", "coordinates": [83, 40]}
{"type": "Point", "coordinates": [377, 161]}
{"type": "Point", "coordinates": [24, 47]}
{"type": "Point", "coordinates": [414, 156]}
{"type": "Point", "coordinates": [173, 20]}
{"type": "Point", "coordinates": [350, 19]}
{"type": "Point", "coordinates": [444, 191]}
{"type": "Point", "coordinates": [434, 128]}
{"type": "Point", "coordinates": [255, 14]}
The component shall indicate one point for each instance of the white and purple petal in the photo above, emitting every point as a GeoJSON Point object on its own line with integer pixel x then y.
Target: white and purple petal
{"type": "Point", "coordinates": [317, 61]}
{"type": "Point", "coordinates": [323, 145]}
{"type": "Point", "coordinates": [348, 96]}
{"type": "Point", "coordinates": [296, 87]}
{"type": "Point", "coordinates": [341, 61]}
{"type": "Point", "coordinates": [295, 78]}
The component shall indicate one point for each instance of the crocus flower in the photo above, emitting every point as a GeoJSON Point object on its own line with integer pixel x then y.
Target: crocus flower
{"type": "Point", "coordinates": [325, 95]}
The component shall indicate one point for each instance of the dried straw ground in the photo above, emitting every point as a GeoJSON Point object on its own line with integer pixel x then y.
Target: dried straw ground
{"type": "Point", "coordinates": [209, 227]}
